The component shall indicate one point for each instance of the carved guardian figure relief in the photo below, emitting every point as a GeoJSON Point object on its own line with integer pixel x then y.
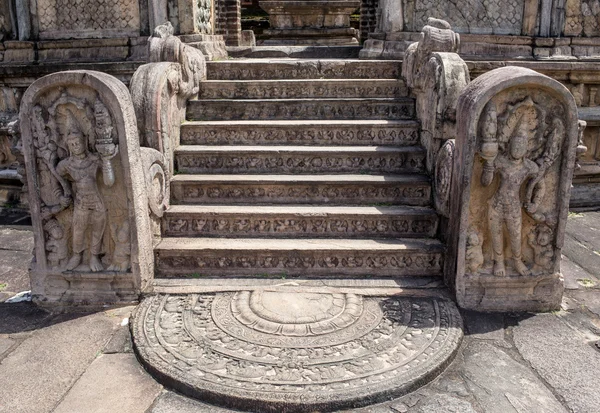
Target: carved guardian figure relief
{"type": "Point", "coordinates": [516, 151]}
{"type": "Point", "coordinates": [84, 220]}
{"type": "Point", "coordinates": [519, 146]}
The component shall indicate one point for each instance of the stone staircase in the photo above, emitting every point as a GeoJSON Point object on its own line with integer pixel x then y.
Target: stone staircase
{"type": "Point", "coordinates": [299, 269]}
{"type": "Point", "coordinates": [300, 168]}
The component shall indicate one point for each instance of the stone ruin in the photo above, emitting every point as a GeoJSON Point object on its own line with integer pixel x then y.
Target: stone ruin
{"type": "Point", "coordinates": [387, 192]}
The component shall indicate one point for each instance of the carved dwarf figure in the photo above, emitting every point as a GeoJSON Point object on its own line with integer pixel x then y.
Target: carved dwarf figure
{"type": "Point", "coordinates": [81, 168]}
{"type": "Point", "coordinates": [474, 253]}
{"type": "Point", "coordinates": [540, 239]}
{"type": "Point", "coordinates": [56, 244]}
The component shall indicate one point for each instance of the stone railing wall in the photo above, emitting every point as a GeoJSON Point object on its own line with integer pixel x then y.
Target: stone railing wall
{"type": "Point", "coordinates": [500, 28]}
{"type": "Point", "coordinates": [98, 159]}
{"type": "Point", "coordinates": [502, 150]}
{"type": "Point", "coordinates": [97, 30]}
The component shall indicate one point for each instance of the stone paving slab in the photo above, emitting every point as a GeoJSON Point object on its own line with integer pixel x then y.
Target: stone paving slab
{"type": "Point", "coordinates": [16, 246]}
{"type": "Point", "coordinates": [576, 277]}
{"type": "Point", "coordinates": [112, 383]}
{"type": "Point", "coordinates": [50, 361]}
{"type": "Point", "coordinates": [562, 358]}
{"type": "Point", "coordinates": [552, 358]}
{"type": "Point", "coordinates": [500, 384]}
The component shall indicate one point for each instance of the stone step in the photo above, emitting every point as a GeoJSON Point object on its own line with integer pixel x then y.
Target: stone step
{"type": "Point", "coordinates": [300, 109]}
{"type": "Point", "coordinates": [412, 189]}
{"type": "Point", "coordinates": [420, 286]}
{"type": "Point", "coordinates": [198, 257]}
{"type": "Point", "coordinates": [301, 132]}
{"type": "Point", "coordinates": [296, 221]}
{"type": "Point", "coordinates": [257, 69]}
{"type": "Point", "coordinates": [298, 159]}
{"type": "Point", "coordinates": [303, 89]}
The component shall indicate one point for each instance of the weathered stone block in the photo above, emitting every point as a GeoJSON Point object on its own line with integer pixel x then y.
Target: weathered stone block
{"type": "Point", "coordinates": [87, 191]}
{"type": "Point", "coordinates": [515, 154]}
{"type": "Point", "coordinates": [306, 132]}
{"type": "Point", "coordinates": [19, 52]}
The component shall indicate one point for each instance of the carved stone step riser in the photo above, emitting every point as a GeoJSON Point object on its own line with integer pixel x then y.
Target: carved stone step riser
{"type": "Point", "coordinates": [217, 110]}
{"type": "Point", "coordinates": [198, 134]}
{"type": "Point", "coordinates": [300, 163]}
{"type": "Point", "coordinates": [304, 89]}
{"type": "Point", "coordinates": [313, 193]}
{"type": "Point", "coordinates": [186, 264]}
{"type": "Point", "coordinates": [332, 69]}
{"type": "Point", "coordinates": [299, 226]}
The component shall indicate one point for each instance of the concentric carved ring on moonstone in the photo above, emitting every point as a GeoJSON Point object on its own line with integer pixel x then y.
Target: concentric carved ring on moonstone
{"type": "Point", "coordinates": [295, 352]}
{"type": "Point", "coordinates": [298, 314]}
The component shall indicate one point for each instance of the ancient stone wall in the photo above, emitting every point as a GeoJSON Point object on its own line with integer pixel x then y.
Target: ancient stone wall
{"type": "Point", "coordinates": [368, 17]}
{"type": "Point", "coordinates": [5, 20]}
{"type": "Point", "coordinates": [468, 16]}
{"type": "Point", "coordinates": [61, 19]}
{"type": "Point", "coordinates": [228, 20]}
{"type": "Point", "coordinates": [582, 18]}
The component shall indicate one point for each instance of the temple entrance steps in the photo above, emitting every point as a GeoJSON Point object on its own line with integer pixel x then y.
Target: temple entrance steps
{"type": "Point", "coordinates": [303, 168]}
{"type": "Point", "coordinates": [299, 269]}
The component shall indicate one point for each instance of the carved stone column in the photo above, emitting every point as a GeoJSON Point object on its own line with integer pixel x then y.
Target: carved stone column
{"type": "Point", "coordinates": [514, 162]}
{"type": "Point", "coordinates": [88, 199]}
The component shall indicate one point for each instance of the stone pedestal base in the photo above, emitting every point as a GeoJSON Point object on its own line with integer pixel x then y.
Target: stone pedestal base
{"type": "Point", "coordinates": [86, 291]}
{"type": "Point", "coordinates": [486, 292]}
{"type": "Point", "coordinates": [310, 22]}
{"type": "Point", "coordinates": [311, 37]}
{"type": "Point", "coordinates": [211, 46]}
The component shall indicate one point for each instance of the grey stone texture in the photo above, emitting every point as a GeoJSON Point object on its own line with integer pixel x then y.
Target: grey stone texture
{"type": "Point", "coordinates": [49, 362]}
{"type": "Point", "coordinates": [501, 384]}
{"type": "Point", "coordinates": [563, 358]}
{"type": "Point", "coordinates": [113, 382]}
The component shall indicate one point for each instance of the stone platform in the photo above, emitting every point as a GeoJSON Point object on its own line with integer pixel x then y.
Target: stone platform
{"type": "Point", "coordinates": [278, 351]}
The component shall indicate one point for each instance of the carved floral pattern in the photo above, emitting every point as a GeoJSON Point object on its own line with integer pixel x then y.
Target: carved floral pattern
{"type": "Point", "coordinates": [411, 262]}
{"type": "Point", "coordinates": [334, 110]}
{"type": "Point", "coordinates": [325, 135]}
{"type": "Point", "coordinates": [310, 90]}
{"type": "Point", "coordinates": [299, 163]}
{"type": "Point", "coordinates": [313, 226]}
{"type": "Point", "coordinates": [410, 195]}
{"type": "Point", "coordinates": [233, 71]}
{"type": "Point", "coordinates": [203, 341]}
